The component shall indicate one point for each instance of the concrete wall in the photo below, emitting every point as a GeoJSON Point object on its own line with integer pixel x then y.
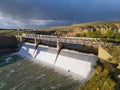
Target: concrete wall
{"type": "Point", "coordinates": [8, 42]}
{"type": "Point", "coordinates": [103, 54]}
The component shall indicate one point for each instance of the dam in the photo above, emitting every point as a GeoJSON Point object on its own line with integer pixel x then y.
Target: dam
{"type": "Point", "coordinates": [48, 63]}
{"type": "Point", "coordinates": [71, 61]}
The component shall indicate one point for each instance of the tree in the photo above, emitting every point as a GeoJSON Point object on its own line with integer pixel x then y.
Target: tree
{"type": "Point", "coordinates": [96, 34]}
{"type": "Point", "coordinates": [110, 33]}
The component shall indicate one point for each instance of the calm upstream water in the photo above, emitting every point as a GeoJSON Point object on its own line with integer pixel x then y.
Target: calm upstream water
{"type": "Point", "coordinates": [20, 73]}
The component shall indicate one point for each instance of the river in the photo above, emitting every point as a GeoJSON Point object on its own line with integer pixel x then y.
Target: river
{"type": "Point", "coordinates": [31, 69]}
{"type": "Point", "coordinates": [20, 73]}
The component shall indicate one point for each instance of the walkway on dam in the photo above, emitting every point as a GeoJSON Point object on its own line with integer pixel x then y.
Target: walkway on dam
{"type": "Point", "coordinates": [73, 40]}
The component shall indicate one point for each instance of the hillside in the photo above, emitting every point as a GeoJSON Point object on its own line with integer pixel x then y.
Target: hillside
{"type": "Point", "coordinates": [82, 29]}
{"type": "Point", "coordinates": [109, 30]}
{"type": "Point", "coordinates": [85, 27]}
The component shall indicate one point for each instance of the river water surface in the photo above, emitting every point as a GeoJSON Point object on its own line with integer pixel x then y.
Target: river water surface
{"type": "Point", "coordinates": [20, 73]}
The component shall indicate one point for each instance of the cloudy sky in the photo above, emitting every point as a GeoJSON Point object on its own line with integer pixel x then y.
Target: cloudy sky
{"type": "Point", "coordinates": [47, 13]}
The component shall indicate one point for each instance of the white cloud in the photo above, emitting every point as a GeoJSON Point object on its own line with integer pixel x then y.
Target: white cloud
{"type": "Point", "coordinates": [9, 22]}
{"type": "Point", "coordinates": [1, 18]}
{"type": "Point", "coordinates": [46, 22]}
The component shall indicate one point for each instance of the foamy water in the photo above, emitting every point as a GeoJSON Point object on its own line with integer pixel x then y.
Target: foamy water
{"type": "Point", "coordinates": [68, 60]}
{"type": "Point", "coordinates": [35, 70]}
{"type": "Point", "coordinates": [22, 73]}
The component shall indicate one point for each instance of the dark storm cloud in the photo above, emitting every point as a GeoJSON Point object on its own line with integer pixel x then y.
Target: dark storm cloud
{"type": "Point", "coordinates": [45, 9]}
{"type": "Point", "coordinates": [42, 9]}
{"type": "Point", "coordinates": [57, 12]}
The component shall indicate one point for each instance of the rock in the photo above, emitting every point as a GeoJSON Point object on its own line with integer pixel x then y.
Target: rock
{"type": "Point", "coordinates": [118, 67]}
{"type": "Point", "coordinates": [118, 76]}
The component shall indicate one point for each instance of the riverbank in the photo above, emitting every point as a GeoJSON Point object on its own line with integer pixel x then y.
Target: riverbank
{"type": "Point", "coordinates": [101, 80]}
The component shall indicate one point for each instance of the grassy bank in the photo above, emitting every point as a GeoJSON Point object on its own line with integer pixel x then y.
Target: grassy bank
{"type": "Point", "coordinates": [101, 80]}
{"type": "Point", "coordinates": [114, 52]}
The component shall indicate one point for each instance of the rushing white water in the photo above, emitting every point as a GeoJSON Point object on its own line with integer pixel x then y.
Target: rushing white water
{"type": "Point", "coordinates": [27, 49]}
{"type": "Point", "coordinates": [76, 62]}
{"type": "Point", "coordinates": [23, 73]}
{"type": "Point", "coordinates": [72, 61]}
{"type": "Point", "coordinates": [46, 54]}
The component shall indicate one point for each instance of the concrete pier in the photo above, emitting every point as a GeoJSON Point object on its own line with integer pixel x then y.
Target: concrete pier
{"type": "Point", "coordinates": [59, 47]}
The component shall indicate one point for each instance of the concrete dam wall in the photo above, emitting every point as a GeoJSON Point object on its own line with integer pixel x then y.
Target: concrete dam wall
{"type": "Point", "coordinates": [69, 60]}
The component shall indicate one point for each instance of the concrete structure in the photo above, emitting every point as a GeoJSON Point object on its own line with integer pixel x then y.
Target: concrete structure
{"type": "Point", "coordinates": [71, 61]}
{"type": "Point", "coordinates": [73, 40]}
{"type": "Point", "coordinates": [103, 54]}
{"type": "Point", "coordinates": [61, 40]}
{"type": "Point", "coordinates": [59, 47]}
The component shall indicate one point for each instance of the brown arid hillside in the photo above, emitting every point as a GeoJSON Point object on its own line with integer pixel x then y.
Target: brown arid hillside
{"type": "Point", "coordinates": [109, 30]}
{"type": "Point", "coordinates": [72, 30]}
{"type": "Point", "coordinates": [82, 29]}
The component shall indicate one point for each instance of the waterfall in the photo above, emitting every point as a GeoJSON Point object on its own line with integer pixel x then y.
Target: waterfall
{"type": "Point", "coordinates": [69, 60]}
{"type": "Point", "coordinates": [76, 62]}
{"type": "Point", "coordinates": [46, 54]}
{"type": "Point", "coordinates": [27, 49]}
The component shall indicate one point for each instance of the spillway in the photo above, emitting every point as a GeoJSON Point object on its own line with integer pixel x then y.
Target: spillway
{"type": "Point", "coordinates": [46, 54]}
{"type": "Point", "coordinates": [76, 62]}
{"type": "Point", "coordinates": [27, 50]}
{"type": "Point", "coordinates": [69, 60]}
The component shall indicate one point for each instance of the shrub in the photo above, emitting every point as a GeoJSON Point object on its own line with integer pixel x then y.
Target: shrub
{"type": "Point", "coordinates": [117, 37]}
{"type": "Point", "coordinates": [96, 34]}
{"type": "Point", "coordinates": [110, 34]}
